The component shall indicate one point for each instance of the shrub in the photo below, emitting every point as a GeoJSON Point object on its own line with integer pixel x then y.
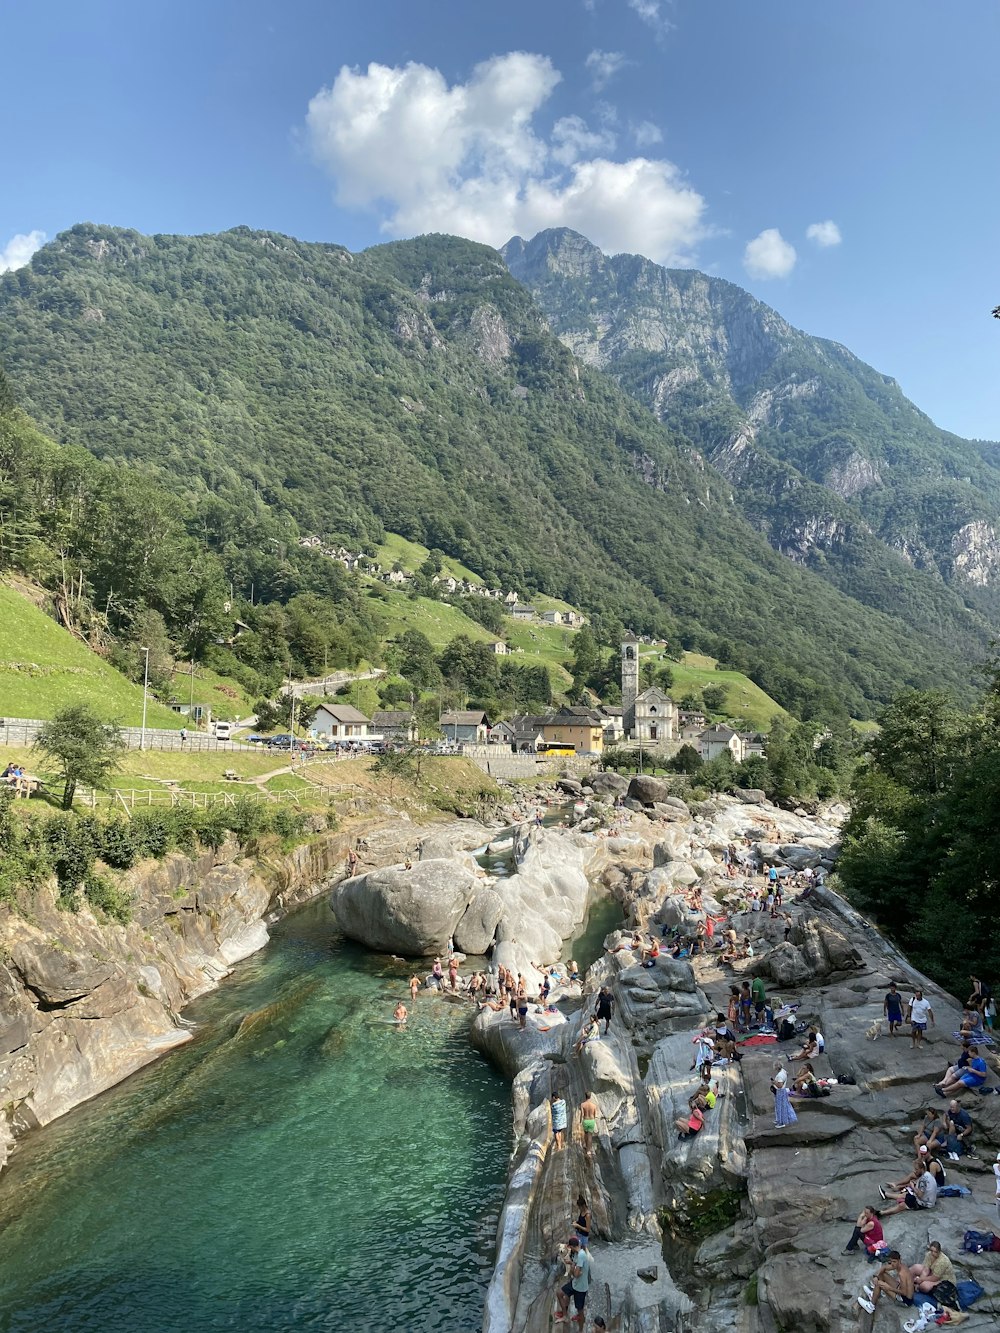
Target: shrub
{"type": "Point", "coordinates": [109, 898]}
{"type": "Point", "coordinates": [118, 844]}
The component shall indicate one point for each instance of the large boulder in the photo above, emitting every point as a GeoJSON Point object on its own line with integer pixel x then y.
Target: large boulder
{"type": "Point", "coordinates": [570, 787]}
{"type": "Point", "coordinates": [477, 929]}
{"type": "Point", "coordinates": [649, 791]}
{"type": "Point", "coordinates": [413, 912]}
{"type": "Point", "coordinates": [609, 784]}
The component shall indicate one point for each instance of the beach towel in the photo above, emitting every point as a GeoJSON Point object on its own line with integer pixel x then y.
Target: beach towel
{"type": "Point", "coordinates": [761, 1039]}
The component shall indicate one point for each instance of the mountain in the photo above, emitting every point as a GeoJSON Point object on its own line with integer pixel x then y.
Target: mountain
{"type": "Point", "coordinates": [414, 388]}
{"type": "Point", "coordinates": [826, 456]}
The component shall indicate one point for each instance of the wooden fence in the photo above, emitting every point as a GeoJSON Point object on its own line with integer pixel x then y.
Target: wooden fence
{"type": "Point", "coordinates": [149, 798]}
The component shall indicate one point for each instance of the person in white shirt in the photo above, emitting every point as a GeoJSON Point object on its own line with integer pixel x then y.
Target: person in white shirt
{"type": "Point", "coordinates": [918, 1014]}
{"type": "Point", "coordinates": [996, 1172]}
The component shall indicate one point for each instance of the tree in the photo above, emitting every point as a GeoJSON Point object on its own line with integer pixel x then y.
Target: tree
{"type": "Point", "coordinates": [394, 764]}
{"type": "Point", "coordinates": [715, 698]}
{"type": "Point", "coordinates": [686, 760]}
{"type": "Point", "coordinates": [85, 748]}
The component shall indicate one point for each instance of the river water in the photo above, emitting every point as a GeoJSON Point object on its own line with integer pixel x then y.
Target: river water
{"type": "Point", "coordinates": [315, 1168]}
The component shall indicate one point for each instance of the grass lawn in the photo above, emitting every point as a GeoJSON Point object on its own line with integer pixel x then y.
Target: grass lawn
{"type": "Point", "coordinates": [743, 697]}
{"type": "Point", "coordinates": [43, 668]}
{"type": "Point", "coordinates": [225, 697]}
{"type": "Point", "coordinates": [411, 555]}
{"type": "Point", "coordinates": [441, 623]}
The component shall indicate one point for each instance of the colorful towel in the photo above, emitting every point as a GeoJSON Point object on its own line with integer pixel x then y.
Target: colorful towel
{"type": "Point", "coordinates": [761, 1039]}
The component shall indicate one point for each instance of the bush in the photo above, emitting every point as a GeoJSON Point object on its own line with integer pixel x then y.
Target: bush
{"type": "Point", "coordinates": [108, 898]}
{"type": "Point", "coordinates": [118, 844]}
{"type": "Point", "coordinates": [152, 833]}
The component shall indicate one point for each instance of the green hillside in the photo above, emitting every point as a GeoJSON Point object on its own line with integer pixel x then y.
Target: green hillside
{"type": "Point", "coordinates": [826, 456]}
{"type": "Point", "coordinates": [277, 386]}
{"type": "Point", "coordinates": [43, 668]}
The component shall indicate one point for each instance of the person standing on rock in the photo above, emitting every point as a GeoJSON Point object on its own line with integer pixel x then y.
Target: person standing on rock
{"type": "Point", "coordinates": [578, 1285]}
{"type": "Point", "coordinates": [919, 1013]}
{"type": "Point", "coordinates": [583, 1221]}
{"type": "Point", "coordinates": [605, 1007]}
{"type": "Point", "coordinates": [996, 1173]}
{"type": "Point", "coordinates": [522, 1002]}
{"type": "Point", "coordinates": [557, 1106]}
{"type": "Point", "coordinates": [892, 1008]}
{"type": "Point", "coordinates": [783, 1112]}
{"type": "Point", "coordinates": [759, 996]}
{"type": "Point", "coordinates": [589, 1112]}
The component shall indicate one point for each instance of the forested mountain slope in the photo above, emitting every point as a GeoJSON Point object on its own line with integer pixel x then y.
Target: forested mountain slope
{"type": "Point", "coordinates": [826, 456]}
{"type": "Point", "coordinates": [414, 388]}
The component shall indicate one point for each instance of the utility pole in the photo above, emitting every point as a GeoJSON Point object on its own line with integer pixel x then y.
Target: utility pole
{"type": "Point", "coordinates": [145, 692]}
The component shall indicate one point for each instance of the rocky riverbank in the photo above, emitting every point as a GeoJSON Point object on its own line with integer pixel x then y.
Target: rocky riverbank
{"type": "Point", "coordinates": [743, 1226]}
{"type": "Point", "coordinates": [84, 1002]}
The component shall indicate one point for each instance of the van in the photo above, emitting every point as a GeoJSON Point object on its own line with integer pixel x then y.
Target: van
{"type": "Point", "coordinates": [222, 731]}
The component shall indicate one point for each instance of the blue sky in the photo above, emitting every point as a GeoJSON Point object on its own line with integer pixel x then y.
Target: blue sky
{"type": "Point", "coordinates": [688, 130]}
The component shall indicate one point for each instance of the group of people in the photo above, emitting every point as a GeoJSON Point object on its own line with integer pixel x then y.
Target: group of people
{"type": "Point", "coordinates": [15, 777]}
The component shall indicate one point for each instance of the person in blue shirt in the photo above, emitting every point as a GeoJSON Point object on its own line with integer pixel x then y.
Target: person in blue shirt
{"type": "Point", "coordinates": [972, 1076]}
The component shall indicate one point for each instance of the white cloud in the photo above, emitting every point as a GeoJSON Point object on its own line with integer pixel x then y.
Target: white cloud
{"type": "Point", "coordinates": [467, 159]}
{"type": "Point", "coordinates": [646, 134]}
{"type": "Point", "coordinates": [572, 139]}
{"type": "Point", "coordinates": [824, 233]}
{"type": "Point", "coordinates": [769, 255]}
{"type": "Point", "coordinates": [603, 66]}
{"type": "Point", "coordinates": [651, 13]}
{"type": "Point", "coordinates": [19, 249]}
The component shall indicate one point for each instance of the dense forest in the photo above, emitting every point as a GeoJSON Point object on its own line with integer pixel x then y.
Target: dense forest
{"type": "Point", "coordinates": [922, 847]}
{"type": "Point", "coordinates": [275, 387]}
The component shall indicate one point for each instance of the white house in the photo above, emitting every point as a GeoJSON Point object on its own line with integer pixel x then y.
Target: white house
{"type": "Point", "coordinates": [552, 617]}
{"type": "Point", "coordinates": [338, 722]}
{"type": "Point", "coordinates": [465, 725]}
{"type": "Point", "coordinates": [715, 740]}
{"type": "Point", "coordinates": [522, 611]}
{"type": "Point", "coordinates": [501, 649]}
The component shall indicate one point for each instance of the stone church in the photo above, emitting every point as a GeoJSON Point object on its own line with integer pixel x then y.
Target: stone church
{"type": "Point", "coordinates": [650, 715]}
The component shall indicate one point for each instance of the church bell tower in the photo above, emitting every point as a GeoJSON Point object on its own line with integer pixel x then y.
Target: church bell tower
{"type": "Point", "coordinates": [630, 682]}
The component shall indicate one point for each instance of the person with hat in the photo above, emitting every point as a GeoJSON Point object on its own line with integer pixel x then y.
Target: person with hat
{"type": "Point", "coordinates": [577, 1286]}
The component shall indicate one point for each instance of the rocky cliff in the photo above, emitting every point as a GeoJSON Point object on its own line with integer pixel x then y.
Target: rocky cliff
{"type": "Point", "coordinates": [811, 437]}
{"type": "Point", "coordinates": [742, 1227]}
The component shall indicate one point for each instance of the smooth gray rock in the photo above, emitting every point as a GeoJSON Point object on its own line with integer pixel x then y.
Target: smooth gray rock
{"type": "Point", "coordinates": [477, 928]}
{"type": "Point", "coordinates": [413, 912]}
{"type": "Point", "coordinates": [609, 784]}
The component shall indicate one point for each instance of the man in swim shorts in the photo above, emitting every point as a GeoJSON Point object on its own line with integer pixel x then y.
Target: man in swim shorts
{"type": "Point", "coordinates": [589, 1111]}
{"type": "Point", "coordinates": [892, 1008]}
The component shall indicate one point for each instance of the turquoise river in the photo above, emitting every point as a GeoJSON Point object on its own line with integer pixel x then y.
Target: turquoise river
{"type": "Point", "coordinates": [315, 1169]}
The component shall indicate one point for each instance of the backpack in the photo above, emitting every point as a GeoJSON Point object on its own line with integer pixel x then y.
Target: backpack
{"type": "Point", "coordinates": [975, 1242]}
{"type": "Point", "coordinates": [787, 1030]}
{"type": "Point", "coordinates": [946, 1293]}
{"type": "Point", "coordinates": [969, 1292]}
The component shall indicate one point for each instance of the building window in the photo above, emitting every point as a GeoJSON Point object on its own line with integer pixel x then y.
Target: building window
{"type": "Point", "coordinates": [629, 654]}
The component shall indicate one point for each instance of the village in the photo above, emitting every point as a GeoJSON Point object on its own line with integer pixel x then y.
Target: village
{"type": "Point", "coordinates": [647, 720]}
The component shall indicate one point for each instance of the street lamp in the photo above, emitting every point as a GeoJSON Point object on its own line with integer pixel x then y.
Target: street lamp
{"type": "Point", "coordinates": [145, 692]}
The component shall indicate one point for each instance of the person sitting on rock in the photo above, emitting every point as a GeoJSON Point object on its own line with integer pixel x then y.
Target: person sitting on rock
{"type": "Point", "coordinates": [591, 1032]}
{"type": "Point", "coordinates": [691, 1124]}
{"type": "Point", "coordinates": [894, 1279]}
{"type": "Point", "coordinates": [921, 1194]}
{"type": "Point", "coordinates": [961, 1063]}
{"type": "Point", "coordinates": [725, 1040]}
{"type": "Point", "coordinates": [652, 954]}
{"type": "Point", "coordinates": [958, 1123]}
{"type": "Point", "coordinates": [805, 1083]}
{"type": "Point", "coordinates": [867, 1229]}
{"type": "Point", "coordinates": [811, 1046]}
{"type": "Point", "coordinates": [923, 1155]}
{"type": "Point", "coordinates": [972, 1025]}
{"type": "Point", "coordinates": [933, 1131]}
{"type": "Point", "coordinates": [937, 1267]}
{"type": "Point", "coordinates": [972, 1077]}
